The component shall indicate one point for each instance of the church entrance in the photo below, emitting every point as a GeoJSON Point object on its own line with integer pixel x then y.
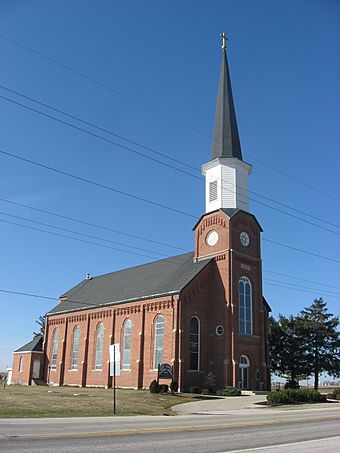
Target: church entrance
{"type": "Point", "coordinates": [244, 372]}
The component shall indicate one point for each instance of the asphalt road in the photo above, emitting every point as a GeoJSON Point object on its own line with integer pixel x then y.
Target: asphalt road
{"type": "Point", "coordinates": [315, 430]}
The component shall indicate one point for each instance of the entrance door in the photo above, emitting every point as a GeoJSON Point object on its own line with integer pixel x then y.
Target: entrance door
{"type": "Point", "coordinates": [244, 372]}
{"type": "Point", "coordinates": [36, 369]}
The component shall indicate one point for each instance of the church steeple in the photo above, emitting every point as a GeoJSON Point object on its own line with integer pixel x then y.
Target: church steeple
{"type": "Point", "coordinates": [226, 174]}
{"type": "Point", "coordinates": [226, 141]}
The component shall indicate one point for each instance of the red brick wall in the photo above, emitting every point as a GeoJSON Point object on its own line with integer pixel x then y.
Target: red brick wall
{"type": "Point", "coordinates": [24, 377]}
{"type": "Point", "coordinates": [142, 316]}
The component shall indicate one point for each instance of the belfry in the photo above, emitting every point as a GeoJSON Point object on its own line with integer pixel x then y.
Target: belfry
{"type": "Point", "coordinates": [203, 312]}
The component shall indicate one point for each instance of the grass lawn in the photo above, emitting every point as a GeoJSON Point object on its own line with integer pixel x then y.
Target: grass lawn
{"type": "Point", "coordinates": [43, 401]}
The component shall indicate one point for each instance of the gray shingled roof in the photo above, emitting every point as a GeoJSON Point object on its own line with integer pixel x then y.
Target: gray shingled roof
{"type": "Point", "coordinates": [168, 276]}
{"type": "Point", "coordinates": [34, 345]}
{"type": "Point", "coordinates": [226, 141]}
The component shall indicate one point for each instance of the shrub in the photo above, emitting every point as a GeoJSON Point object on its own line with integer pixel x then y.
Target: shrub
{"type": "Point", "coordinates": [230, 391]}
{"type": "Point", "coordinates": [154, 387]}
{"type": "Point", "coordinates": [174, 386]}
{"type": "Point", "coordinates": [336, 394]}
{"type": "Point", "coordinates": [292, 385]}
{"type": "Point", "coordinates": [291, 396]}
{"type": "Point", "coordinates": [163, 388]}
{"type": "Point", "coordinates": [194, 389]}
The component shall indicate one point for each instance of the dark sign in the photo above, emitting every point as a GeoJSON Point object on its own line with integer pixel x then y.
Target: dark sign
{"type": "Point", "coordinates": [165, 371]}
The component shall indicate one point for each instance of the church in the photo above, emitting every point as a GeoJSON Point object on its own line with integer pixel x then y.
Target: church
{"type": "Point", "coordinates": [203, 312]}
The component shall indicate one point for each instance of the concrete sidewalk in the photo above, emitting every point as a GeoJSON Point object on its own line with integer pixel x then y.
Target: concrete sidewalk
{"type": "Point", "coordinates": [220, 405]}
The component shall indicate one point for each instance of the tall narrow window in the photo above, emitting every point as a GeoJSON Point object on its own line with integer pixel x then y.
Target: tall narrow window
{"type": "Point", "coordinates": [20, 364]}
{"type": "Point", "coordinates": [159, 341]}
{"type": "Point", "coordinates": [127, 344]}
{"type": "Point", "coordinates": [76, 337]}
{"type": "Point", "coordinates": [194, 344]}
{"type": "Point", "coordinates": [212, 190]}
{"type": "Point", "coordinates": [55, 342]}
{"type": "Point", "coordinates": [245, 305]}
{"type": "Point", "coordinates": [99, 346]}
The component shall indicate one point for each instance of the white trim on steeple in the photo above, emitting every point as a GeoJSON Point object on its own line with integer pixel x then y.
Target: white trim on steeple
{"type": "Point", "coordinates": [231, 175]}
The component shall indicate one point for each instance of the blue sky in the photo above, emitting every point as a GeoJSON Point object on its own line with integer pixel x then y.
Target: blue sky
{"type": "Point", "coordinates": [284, 64]}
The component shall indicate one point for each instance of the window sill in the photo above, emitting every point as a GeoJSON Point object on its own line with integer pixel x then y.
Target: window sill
{"type": "Point", "coordinates": [98, 369]}
{"type": "Point", "coordinates": [194, 371]}
{"type": "Point", "coordinates": [125, 369]}
{"type": "Point", "coordinates": [73, 369]}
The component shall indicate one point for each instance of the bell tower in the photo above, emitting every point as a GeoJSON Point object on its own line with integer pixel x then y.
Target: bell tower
{"type": "Point", "coordinates": [226, 175]}
{"type": "Point", "coordinates": [229, 236]}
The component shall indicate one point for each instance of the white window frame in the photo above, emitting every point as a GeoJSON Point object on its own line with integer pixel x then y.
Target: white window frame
{"type": "Point", "coordinates": [75, 348]}
{"type": "Point", "coordinates": [245, 302]}
{"type": "Point", "coordinates": [198, 342]}
{"type": "Point", "coordinates": [126, 353]}
{"type": "Point", "coordinates": [21, 363]}
{"type": "Point", "coordinates": [158, 338]}
{"type": "Point", "coordinates": [99, 347]}
{"type": "Point", "coordinates": [55, 344]}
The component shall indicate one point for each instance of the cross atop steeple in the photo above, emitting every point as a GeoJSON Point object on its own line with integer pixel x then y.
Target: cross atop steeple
{"type": "Point", "coordinates": [224, 40]}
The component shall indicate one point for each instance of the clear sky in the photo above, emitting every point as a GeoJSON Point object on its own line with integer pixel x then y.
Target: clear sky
{"type": "Point", "coordinates": [284, 63]}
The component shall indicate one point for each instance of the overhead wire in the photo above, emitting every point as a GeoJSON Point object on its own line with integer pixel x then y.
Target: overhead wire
{"type": "Point", "coordinates": [95, 225]}
{"type": "Point", "coordinates": [153, 203]}
{"type": "Point", "coordinates": [165, 156]}
{"type": "Point", "coordinates": [153, 109]}
{"type": "Point", "coordinates": [139, 237]}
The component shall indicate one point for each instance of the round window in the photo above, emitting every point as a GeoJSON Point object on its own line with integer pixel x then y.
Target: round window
{"type": "Point", "coordinates": [219, 330]}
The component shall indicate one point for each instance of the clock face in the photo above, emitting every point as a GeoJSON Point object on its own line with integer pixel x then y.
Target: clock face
{"type": "Point", "coordinates": [244, 239]}
{"type": "Point", "coordinates": [211, 238]}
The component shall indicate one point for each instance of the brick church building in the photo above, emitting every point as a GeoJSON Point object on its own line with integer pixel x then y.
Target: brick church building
{"type": "Point", "coordinates": [202, 312]}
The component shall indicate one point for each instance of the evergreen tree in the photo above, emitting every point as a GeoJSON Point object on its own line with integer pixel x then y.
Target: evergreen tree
{"type": "Point", "coordinates": [287, 348]}
{"type": "Point", "coordinates": [41, 322]}
{"type": "Point", "coordinates": [322, 341]}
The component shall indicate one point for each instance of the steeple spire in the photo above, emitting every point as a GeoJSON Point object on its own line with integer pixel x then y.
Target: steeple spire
{"type": "Point", "coordinates": [226, 141]}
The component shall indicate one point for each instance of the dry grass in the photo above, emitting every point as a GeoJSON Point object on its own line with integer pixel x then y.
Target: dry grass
{"type": "Point", "coordinates": [20, 401]}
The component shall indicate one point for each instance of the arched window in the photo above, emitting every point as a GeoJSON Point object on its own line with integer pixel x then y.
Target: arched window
{"type": "Point", "coordinates": [127, 344]}
{"type": "Point", "coordinates": [99, 346]}
{"type": "Point", "coordinates": [245, 305]}
{"type": "Point", "coordinates": [159, 341]}
{"type": "Point", "coordinates": [195, 343]}
{"type": "Point", "coordinates": [55, 342]}
{"type": "Point", "coordinates": [244, 372]}
{"type": "Point", "coordinates": [20, 364]}
{"type": "Point", "coordinates": [76, 337]}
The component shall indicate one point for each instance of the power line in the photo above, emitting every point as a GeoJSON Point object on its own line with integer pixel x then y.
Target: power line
{"type": "Point", "coordinates": [92, 224]}
{"type": "Point", "coordinates": [300, 250]}
{"type": "Point", "coordinates": [152, 202]}
{"type": "Point", "coordinates": [141, 238]}
{"type": "Point", "coordinates": [164, 156]}
{"type": "Point", "coordinates": [82, 234]}
{"type": "Point", "coordinates": [100, 137]}
{"type": "Point", "coordinates": [104, 85]}
{"type": "Point", "coordinates": [302, 279]}
{"type": "Point", "coordinates": [97, 184]}
{"type": "Point", "coordinates": [329, 293]}
{"type": "Point", "coordinates": [297, 289]}
{"type": "Point", "coordinates": [153, 109]}
{"type": "Point", "coordinates": [75, 239]}
{"type": "Point", "coordinates": [38, 296]}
